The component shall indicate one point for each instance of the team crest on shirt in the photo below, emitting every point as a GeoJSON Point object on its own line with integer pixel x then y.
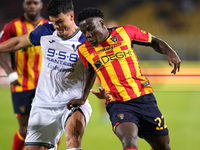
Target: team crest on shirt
{"type": "Point", "coordinates": [98, 64]}
{"type": "Point", "coordinates": [22, 108]}
{"type": "Point", "coordinates": [121, 116]}
{"type": "Point", "coordinates": [114, 39]}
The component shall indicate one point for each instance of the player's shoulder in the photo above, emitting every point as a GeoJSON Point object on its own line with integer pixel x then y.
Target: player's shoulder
{"type": "Point", "coordinates": [129, 26]}
{"type": "Point", "coordinates": [12, 22]}
{"type": "Point", "coordinates": [84, 46]}
{"type": "Point", "coordinates": [48, 25]}
{"type": "Point", "coordinates": [11, 25]}
{"type": "Point", "coordinates": [46, 28]}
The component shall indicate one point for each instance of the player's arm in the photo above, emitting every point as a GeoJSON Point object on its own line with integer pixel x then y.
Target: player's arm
{"type": "Point", "coordinates": [14, 44]}
{"type": "Point", "coordinates": [89, 77]}
{"type": "Point", "coordinates": [162, 47]}
{"type": "Point", "coordinates": [11, 45]}
{"type": "Point", "coordinates": [12, 75]}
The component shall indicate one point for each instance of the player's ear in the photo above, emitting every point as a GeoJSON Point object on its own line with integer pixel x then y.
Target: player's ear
{"type": "Point", "coordinates": [71, 16]}
{"type": "Point", "coordinates": [102, 22]}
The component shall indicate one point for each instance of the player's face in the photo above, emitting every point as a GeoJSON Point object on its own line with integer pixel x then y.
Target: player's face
{"type": "Point", "coordinates": [32, 8]}
{"type": "Point", "coordinates": [94, 30]}
{"type": "Point", "coordinates": [63, 23]}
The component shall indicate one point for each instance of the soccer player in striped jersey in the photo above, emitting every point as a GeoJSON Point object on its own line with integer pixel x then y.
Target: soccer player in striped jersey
{"type": "Point", "coordinates": [58, 104]}
{"type": "Point", "coordinates": [25, 66]}
{"type": "Point", "coordinates": [130, 101]}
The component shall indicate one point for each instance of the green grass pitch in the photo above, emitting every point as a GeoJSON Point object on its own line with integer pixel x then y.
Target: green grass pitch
{"type": "Point", "coordinates": [181, 110]}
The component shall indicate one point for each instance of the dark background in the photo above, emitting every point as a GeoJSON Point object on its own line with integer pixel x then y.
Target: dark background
{"type": "Point", "coordinates": [175, 21]}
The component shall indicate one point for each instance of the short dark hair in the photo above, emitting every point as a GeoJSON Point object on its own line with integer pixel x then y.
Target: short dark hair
{"type": "Point", "coordinates": [89, 12]}
{"type": "Point", "coordinates": [55, 7]}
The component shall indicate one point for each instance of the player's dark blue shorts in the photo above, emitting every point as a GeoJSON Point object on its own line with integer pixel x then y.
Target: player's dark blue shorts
{"type": "Point", "coordinates": [142, 111]}
{"type": "Point", "coordinates": [22, 102]}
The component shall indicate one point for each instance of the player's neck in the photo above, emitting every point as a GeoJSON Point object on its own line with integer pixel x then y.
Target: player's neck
{"type": "Point", "coordinates": [34, 21]}
{"type": "Point", "coordinates": [71, 31]}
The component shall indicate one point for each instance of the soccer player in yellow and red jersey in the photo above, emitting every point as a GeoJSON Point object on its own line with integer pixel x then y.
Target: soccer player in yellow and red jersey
{"type": "Point", "coordinates": [25, 66]}
{"type": "Point", "coordinates": [131, 104]}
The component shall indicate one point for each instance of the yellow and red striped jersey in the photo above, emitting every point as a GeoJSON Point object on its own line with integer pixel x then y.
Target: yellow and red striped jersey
{"type": "Point", "coordinates": [27, 61]}
{"type": "Point", "coordinates": [116, 63]}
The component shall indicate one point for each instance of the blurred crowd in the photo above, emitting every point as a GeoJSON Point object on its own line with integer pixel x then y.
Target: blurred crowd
{"type": "Point", "coordinates": [166, 18]}
{"type": "Point", "coordinates": [164, 9]}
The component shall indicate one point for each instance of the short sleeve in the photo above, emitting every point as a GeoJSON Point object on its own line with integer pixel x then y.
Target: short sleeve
{"type": "Point", "coordinates": [138, 36]}
{"type": "Point", "coordinates": [41, 30]}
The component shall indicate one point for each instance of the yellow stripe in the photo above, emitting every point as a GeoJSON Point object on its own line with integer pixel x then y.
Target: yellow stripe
{"type": "Point", "coordinates": [150, 38]}
{"type": "Point", "coordinates": [18, 27]}
{"type": "Point", "coordinates": [20, 136]}
{"type": "Point", "coordinates": [31, 54]}
{"type": "Point", "coordinates": [19, 32]}
{"type": "Point", "coordinates": [85, 52]}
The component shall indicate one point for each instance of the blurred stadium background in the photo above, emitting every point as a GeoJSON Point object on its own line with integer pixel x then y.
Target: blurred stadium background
{"type": "Point", "coordinates": [175, 21]}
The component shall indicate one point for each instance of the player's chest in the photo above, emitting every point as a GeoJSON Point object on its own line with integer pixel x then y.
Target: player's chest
{"type": "Point", "coordinates": [57, 49]}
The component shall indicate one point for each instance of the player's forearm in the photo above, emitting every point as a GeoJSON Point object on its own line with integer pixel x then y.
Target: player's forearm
{"type": "Point", "coordinates": [161, 46]}
{"type": "Point", "coordinates": [14, 44]}
{"type": "Point", "coordinates": [10, 45]}
{"type": "Point", "coordinates": [4, 64]}
{"type": "Point", "coordinates": [89, 79]}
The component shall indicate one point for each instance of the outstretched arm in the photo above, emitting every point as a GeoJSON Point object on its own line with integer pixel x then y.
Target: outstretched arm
{"type": "Point", "coordinates": [10, 45]}
{"type": "Point", "coordinates": [89, 77]}
{"type": "Point", "coordinates": [14, 44]}
{"type": "Point", "coordinates": [162, 47]}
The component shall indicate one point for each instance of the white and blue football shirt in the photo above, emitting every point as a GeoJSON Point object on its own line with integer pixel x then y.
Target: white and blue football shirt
{"type": "Point", "coordinates": [61, 77]}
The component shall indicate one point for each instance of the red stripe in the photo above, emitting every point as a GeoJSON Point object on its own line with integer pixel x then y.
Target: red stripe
{"type": "Point", "coordinates": [25, 73]}
{"type": "Point", "coordinates": [89, 48]}
{"type": "Point", "coordinates": [109, 83]}
{"type": "Point", "coordinates": [114, 129]}
{"type": "Point", "coordinates": [122, 79]}
{"type": "Point", "coordinates": [133, 74]}
{"type": "Point", "coordinates": [25, 70]}
{"type": "Point", "coordinates": [13, 88]}
{"type": "Point", "coordinates": [125, 47]}
{"type": "Point", "coordinates": [35, 68]}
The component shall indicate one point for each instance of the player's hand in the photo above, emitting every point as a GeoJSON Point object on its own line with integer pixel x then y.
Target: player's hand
{"type": "Point", "coordinates": [13, 77]}
{"type": "Point", "coordinates": [16, 83]}
{"type": "Point", "coordinates": [102, 93]}
{"type": "Point", "coordinates": [75, 103]}
{"type": "Point", "coordinates": [175, 62]}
